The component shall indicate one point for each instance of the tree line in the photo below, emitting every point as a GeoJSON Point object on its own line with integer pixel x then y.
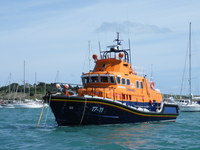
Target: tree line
{"type": "Point", "coordinates": [40, 88]}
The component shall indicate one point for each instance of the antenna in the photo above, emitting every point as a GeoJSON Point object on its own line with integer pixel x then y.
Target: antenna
{"type": "Point", "coordinates": [129, 45]}
{"type": "Point", "coordinates": [151, 78]}
{"type": "Point", "coordinates": [100, 47]}
{"type": "Point", "coordinates": [89, 54]}
{"type": "Point", "coordinates": [118, 41]}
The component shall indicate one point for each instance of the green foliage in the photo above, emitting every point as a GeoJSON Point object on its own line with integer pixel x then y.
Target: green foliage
{"type": "Point", "coordinates": [41, 88]}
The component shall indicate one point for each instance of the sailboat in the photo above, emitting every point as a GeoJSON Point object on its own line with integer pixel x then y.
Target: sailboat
{"type": "Point", "coordinates": [188, 105]}
{"type": "Point", "coordinates": [7, 103]}
{"type": "Point", "coordinates": [27, 103]}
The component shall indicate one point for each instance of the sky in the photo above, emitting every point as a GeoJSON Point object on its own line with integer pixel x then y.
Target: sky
{"type": "Point", "coordinates": [52, 37]}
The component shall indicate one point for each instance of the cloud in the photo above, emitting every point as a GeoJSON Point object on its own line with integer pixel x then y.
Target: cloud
{"type": "Point", "coordinates": [127, 26]}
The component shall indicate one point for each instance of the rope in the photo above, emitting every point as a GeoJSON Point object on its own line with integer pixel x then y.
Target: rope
{"type": "Point", "coordinates": [41, 113]}
{"type": "Point", "coordinates": [83, 111]}
{"type": "Point", "coordinates": [47, 111]}
{"type": "Point", "coordinates": [183, 75]}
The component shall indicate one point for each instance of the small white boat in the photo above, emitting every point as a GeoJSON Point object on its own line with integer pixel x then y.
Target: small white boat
{"type": "Point", "coordinates": [7, 105]}
{"type": "Point", "coordinates": [187, 105]}
{"type": "Point", "coordinates": [31, 104]}
{"type": "Point", "coordinates": [190, 107]}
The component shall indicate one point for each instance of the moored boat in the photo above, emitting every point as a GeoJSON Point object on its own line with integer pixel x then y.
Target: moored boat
{"type": "Point", "coordinates": [191, 104]}
{"type": "Point", "coordinates": [112, 93]}
{"type": "Point", "coordinates": [7, 105]}
{"type": "Point", "coordinates": [187, 105]}
{"type": "Point", "coordinates": [32, 104]}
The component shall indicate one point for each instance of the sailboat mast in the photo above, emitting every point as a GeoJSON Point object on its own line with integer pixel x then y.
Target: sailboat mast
{"type": "Point", "coordinates": [9, 82]}
{"type": "Point", "coordinates": [35, 85]}
{"type": "Point", "coordinates": [190, 64]}
{"type": "Point", "coordinates": [24, 80]}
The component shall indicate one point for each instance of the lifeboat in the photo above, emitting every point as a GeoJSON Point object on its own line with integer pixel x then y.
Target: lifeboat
{"type": "Point", "coordinates": [112, 93]}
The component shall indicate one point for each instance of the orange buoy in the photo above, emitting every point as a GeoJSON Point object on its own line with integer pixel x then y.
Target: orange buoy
{"type": "Point", "coordinates": [121, 55]}
{"type": "Point", "coordinates": [152, 85]}
{"type": "Point", "coordinates": [94, 56]}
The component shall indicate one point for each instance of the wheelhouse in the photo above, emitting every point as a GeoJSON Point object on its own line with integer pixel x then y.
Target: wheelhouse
{"type": "Point", "coordinates": [113, 77]}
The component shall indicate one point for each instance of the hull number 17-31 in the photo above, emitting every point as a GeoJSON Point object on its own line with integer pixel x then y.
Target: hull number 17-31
{"type": "Point", "coordinates": [97, 109]}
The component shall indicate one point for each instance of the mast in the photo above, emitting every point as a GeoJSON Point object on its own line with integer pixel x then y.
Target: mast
{"type": "Point", "coordinates": [45, 88]}
{"type": "Point", "coordinates": [118, 41]}
{"type": "Point", "coordinates": [24, 80]}
{"type": "Point", "coordinates": [9, 85]}
{"type": "Point", "coordinates": [57, 76]}
{"type": "Point", "coordinates": [116, 49]}
{"type": "Point", "coordinates": [35, 85]}
{"type": "Point", "coordinates": [100, 47]}
{"type": "Point", "coordinates": [190, 64]}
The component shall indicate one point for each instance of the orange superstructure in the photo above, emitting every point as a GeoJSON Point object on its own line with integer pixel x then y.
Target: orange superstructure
{"type": "Point", "coordinates": [114, 78]}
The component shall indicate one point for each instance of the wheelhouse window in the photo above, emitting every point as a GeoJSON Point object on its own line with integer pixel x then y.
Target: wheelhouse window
{"type": "Point", "coordinates": [137, 84]}
{"type": "Point", "coordinates": [85, 79]}
{"type": "Point", "coordinates": [103, 65]}
{"type": "Point", "coordinates": [123, 81]}
{"type": "Point", "coordinates": [118, 80]}
{"type": "Point", "coordinates": [104, 79]}
{"type": "Point", "coordinates": [127, 81]}
{"type": "Point", "coordinates": [141, 85]}
{"type": "Point", "coordinates": [94, 78]}
{"type": "Point", "coordinates": [112, 79]}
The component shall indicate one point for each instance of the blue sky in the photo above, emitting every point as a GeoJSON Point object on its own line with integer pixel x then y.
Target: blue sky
{"type": "Point", "coordinates": [52, 36]}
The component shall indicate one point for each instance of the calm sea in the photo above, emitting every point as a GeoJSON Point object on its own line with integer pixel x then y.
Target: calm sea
{"type": "Point", "coordinates": [18, 131]}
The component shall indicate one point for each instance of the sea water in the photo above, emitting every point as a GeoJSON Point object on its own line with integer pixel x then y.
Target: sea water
{"type": "Point", "coordinates": [18, 131]}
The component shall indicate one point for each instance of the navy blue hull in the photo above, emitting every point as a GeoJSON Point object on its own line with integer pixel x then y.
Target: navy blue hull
{"type": "Point", "coordinates": [95, 111]}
